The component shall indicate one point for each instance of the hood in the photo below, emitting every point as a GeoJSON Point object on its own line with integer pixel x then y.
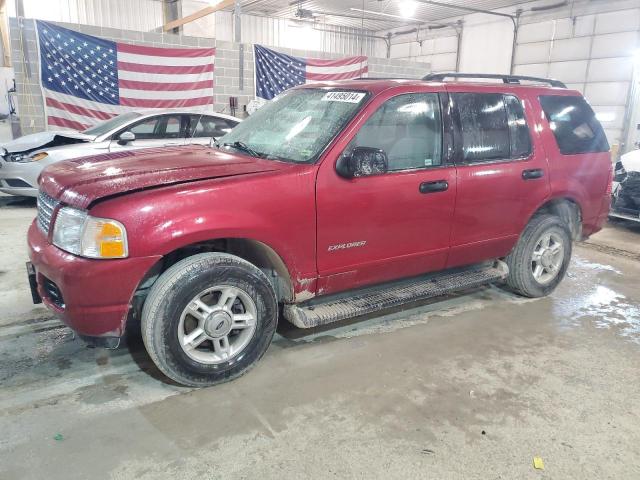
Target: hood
{"type": "Point", "coordinates": [631, 161]}
{"type": "Point", "coordinates": [35, 141]}
{"type": "Point", "coordinates": [81, 181]}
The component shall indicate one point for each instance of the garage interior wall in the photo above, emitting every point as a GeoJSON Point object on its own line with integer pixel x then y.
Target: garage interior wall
{"type": "Point", "coordinates": [590, 45]}
{"type": "Point", "coordinates": [280, 32]}
{"type": "Point", "coordinates": [592, 53]}
{"type": "Point", "coordinates": [146, 16]}
{"type": "Point", "coordinates": [227, 68]}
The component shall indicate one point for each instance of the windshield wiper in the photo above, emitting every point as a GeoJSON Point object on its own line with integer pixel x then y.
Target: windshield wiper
{"type": "Point", "coordinates": [243, 147]}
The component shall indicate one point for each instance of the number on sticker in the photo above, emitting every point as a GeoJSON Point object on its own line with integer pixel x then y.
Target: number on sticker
{"type": "Point", "coordinates": [348, 97]}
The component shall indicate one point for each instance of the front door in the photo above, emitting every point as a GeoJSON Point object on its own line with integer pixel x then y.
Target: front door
{"type": "Point", "coordinates": [377, 228]}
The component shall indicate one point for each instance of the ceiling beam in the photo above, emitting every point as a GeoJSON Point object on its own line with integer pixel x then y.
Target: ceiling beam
{"type": "Point", "coordinates": [465, 8]}
{"type": "Point", "coordinates": [197, 15]}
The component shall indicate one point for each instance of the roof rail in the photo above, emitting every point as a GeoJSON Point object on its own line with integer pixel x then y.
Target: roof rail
{"type": "Point", "coordinates": [513, 79]}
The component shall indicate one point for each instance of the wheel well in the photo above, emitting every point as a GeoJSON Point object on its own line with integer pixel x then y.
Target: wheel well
{"type": "Point", "coordinates": [567, 210]}
{"type": "Point", "coordinates": [253, 251]}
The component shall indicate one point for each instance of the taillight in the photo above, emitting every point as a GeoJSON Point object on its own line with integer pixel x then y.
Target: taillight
{"type": "Point", "coordinates": [609, 181]}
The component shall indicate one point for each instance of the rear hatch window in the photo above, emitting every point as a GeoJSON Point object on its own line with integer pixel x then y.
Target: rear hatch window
{"type": "Point", "coordinates": [574, 125]}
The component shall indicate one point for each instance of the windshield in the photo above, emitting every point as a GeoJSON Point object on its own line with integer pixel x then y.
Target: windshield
{"type": "Point", "coordinates": [295, 126]}
{"type": "Point", "coordinates": [111, 124]}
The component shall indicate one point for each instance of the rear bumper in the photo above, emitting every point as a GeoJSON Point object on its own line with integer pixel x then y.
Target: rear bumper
{"type": "Point", "coordinates": [90, 296]}
{"type": "Point", "coordinates": [595, 224]}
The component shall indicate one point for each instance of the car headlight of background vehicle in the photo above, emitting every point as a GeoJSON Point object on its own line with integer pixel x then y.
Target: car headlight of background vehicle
{"type": "Point", "coordinates": [77, 232]}
{"type": "Point", "coordinates": [17, 157]}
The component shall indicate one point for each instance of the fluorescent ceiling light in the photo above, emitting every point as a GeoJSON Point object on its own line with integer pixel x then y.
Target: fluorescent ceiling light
{"type": "Point", "coordinates": [383, 14]}
{"type": "Point", "coordinates": [407, 8]}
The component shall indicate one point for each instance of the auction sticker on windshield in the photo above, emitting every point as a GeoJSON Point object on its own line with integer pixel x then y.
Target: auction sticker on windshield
{"type": "Point", "coordinates": [348, 97]}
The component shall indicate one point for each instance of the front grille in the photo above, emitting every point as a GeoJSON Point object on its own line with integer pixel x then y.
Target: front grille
{"type": "Point", "coordinates": [46, 206]}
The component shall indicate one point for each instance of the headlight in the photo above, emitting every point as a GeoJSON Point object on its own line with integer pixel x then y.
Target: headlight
{"type": "Point", "coordinates": [16, 157]}
{"type": "Point", "coordinates": [77, 232]}
{"type": "Point", "coordinates": [38, 156]}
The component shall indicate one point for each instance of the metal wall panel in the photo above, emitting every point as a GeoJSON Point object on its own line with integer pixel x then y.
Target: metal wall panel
{"type": "Point", "coordinates": [140, 15]}
{"type": "Point", "coordinates": [591, 52]}
{"type": "Point", "coordinates": [440, 52]}
{"type": "Point", "coordinates": [281, 32]}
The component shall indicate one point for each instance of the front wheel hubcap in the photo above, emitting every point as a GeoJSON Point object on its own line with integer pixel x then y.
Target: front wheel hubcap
{"type": "Point", "coordinates": [547, 258]}
{"type": "Point", "coordinates": [217, 324]}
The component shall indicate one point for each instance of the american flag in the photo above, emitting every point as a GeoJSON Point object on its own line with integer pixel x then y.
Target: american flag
{"type": "Point", "coordinates": [86, 79]}
{"type": "Point", "coordinates": [276, 72]}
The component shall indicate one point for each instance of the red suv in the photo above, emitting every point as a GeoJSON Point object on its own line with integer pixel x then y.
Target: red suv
{"type": "Point", "coordinates": [332, 201]}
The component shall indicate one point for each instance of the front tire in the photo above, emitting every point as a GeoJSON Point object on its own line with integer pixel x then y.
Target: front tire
{"type": "Point", "coordinates": [540, 259]}
{"type": "Point", "coordinates": [209, 319]}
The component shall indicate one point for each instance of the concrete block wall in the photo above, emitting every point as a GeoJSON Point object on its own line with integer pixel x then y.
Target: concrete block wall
{"type": "Point", "coordinates": [24, 51]}
{"type": "Point", "coordinates": [227, 67]}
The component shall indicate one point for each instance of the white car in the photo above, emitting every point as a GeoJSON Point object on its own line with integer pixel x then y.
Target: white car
{"type": "Point", "coordinates": [23, 159]}
{"type": "Point", "coordinates": [626, 187]}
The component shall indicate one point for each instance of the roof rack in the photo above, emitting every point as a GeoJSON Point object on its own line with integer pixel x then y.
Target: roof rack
{"type": "Point", "coordinates": [513, 79]}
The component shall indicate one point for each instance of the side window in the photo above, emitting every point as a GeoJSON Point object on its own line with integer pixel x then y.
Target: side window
{"type": "Point", "coordinates": [408, 128]}
{"type": "Point", "coordinates": [492, 127]}
{"type": "Point", "coordinates": [147, 129]}
{"type": "Point", "coordinates": [172, 127]}
{"type": "Point", "coordinates": [483, 126]}
{"type": "Point", "coordinates": [206, 126]}
{"type": "Point", "coordinates": [574, 124]}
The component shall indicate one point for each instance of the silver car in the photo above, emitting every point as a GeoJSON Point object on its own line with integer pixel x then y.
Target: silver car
{"type": "Point", "coordinates": [22, 160]}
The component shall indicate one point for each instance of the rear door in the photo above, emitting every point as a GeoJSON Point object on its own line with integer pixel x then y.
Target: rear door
{"type": "Point", "coordinates": [157, 131]}
{"type": "Point", "coordinates": [377, 228]}
{"type": "Point", "coordinates": [204, 127]}
{"type": "Point", "coordinates": [502, 174]}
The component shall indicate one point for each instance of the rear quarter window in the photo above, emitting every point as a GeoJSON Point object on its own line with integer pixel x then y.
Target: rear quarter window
{"type": "Point", "coordinates": [574, 125]}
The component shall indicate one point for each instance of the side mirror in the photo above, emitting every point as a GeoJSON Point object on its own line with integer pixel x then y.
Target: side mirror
{"type": "Point", "coordinates": [363, 162]}
{"type": "Point", "coordinates": [126, 137]}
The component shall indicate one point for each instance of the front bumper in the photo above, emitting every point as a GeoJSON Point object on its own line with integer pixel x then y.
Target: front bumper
{"type": "Point", "coordinates": [19, 178]}
{"type": "Point", "coordinates": [91, 296]}
{"type": "Point", "coordinates": [626, 198]}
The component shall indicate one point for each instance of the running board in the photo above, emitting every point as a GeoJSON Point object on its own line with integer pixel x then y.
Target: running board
{"type": "Point", "coordinates": [335, 308]}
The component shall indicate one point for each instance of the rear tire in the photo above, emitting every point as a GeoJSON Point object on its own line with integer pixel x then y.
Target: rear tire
{"type": "Point", "coordinates": [208, 319]}
{"type": "Point", "coordinates": [539, 261]}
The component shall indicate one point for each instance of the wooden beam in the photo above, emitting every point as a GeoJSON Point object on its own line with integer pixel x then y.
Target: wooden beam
{"type": "Point", "coordinates": [4, 34]}
{"type": "Point", "coordinates": [199, 14]}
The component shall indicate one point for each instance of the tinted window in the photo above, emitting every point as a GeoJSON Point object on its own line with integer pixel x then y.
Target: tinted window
{"type": "Point", "coordinates": [484, 127]}
{"type": "Point", "coordinates": [206, 126]}
{"type": "Point", "coordinates": [574, 125]}
{"type": "Point", "coordinates": [408, 128]}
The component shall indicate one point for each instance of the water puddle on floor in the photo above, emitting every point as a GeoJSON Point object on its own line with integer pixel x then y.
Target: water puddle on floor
{"type": "Point", "coordinates": [593, 295]}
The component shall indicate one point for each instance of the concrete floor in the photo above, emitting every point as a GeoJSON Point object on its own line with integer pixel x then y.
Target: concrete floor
{"type": "Point", "coordinates": [469, 387]}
